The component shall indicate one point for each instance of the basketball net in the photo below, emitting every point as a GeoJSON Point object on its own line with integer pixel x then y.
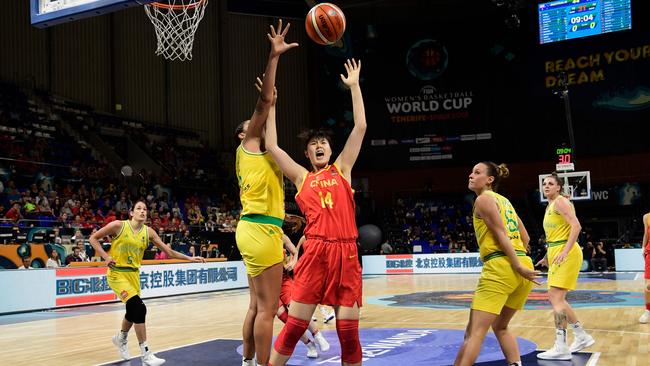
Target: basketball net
{"type": "Point", "coordinates": [175, 22]}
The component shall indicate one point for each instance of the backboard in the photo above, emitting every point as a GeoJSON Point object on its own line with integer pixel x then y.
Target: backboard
{"type": "Point", "coordinates": [577, 185]}
{"type": "Point", "coordinates": [46, 13]}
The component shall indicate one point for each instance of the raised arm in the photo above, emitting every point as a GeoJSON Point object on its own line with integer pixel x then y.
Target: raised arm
{"type": "Point", "coordinates": [292, 170]}
{"type": "Point", "coordinates": [110, 229]}
{"type": "Point", "coordinates": [155, 239]}
{"type": "Point", "coordinates": [486, 207]}
{"type": "Point", "coordinates": [278, 46]}
{"type": "Point", "coordinates": [563, 207]}
{"type": "Point", "coordinates": [352, 147]}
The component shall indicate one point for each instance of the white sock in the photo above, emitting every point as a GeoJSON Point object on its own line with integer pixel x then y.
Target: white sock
{"type": "Point", "coordinates": [144, 348]}
{"type": "Point", "coordinates": [577, 329]}
{"type": "Point", "coordinates": [517, 363]}
{"type": "Point", "coordinates": [246, 362]}
{"type": "Point", "coordinates": [560, 336]}
{"type": "Point", "coordinates": [123, 335]}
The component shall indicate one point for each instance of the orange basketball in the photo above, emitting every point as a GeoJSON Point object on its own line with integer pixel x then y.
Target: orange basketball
{"type": "Point", "coordinates": [325, 23]}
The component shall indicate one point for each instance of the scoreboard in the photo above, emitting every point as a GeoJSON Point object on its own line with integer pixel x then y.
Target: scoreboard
{"type": "Point", "coordinates": [568, 19]}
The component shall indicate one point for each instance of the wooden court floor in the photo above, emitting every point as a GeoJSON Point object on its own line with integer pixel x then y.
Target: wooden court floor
{"type": "Point", "coordinates": [82, 336]}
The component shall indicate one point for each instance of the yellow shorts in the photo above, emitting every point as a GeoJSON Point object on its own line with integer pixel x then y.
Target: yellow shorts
{"type": "Point", "coordinates": [125, 283]}
{"type": "Point", "coordinates": [500, 285]}
{"type": "Point", "coordinates": [564, 275]}
{"type": "Point", "coordinates": [260, 245]}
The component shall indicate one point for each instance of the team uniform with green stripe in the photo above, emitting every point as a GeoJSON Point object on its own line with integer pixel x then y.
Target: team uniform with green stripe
{"type": "Point", "coordinates": [500, 285]}
{"type": "Point", "coordinates": [557, 229]}
{"type": "Point", "coordinates": [127, 249]}
{"type": "Point", "coordinates": [261, 191]}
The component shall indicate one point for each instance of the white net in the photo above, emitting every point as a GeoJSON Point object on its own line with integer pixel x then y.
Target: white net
{"type": "Point", "coordinates": [175, 22]}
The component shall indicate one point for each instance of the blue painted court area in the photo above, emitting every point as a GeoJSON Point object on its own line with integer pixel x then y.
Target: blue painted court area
{"type": "Point", "coordinates": [537, 299]}
{"type": "Point", "coordinates": [381, 347]}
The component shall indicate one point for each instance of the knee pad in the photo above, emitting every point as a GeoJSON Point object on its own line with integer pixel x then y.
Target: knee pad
{"type": "Point", "coordinates": [136, 311]}
{"type": "Point", "coordinates": [348, 332]}
{"type": "Point", "coordinates": [290, 334]}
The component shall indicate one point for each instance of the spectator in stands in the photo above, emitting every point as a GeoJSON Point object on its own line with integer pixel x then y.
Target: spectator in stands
{"type": "Point", "coordinates": [27, 263]}
{"type": "Point", "coordinates": [56, 236]}
{"type": "Point", "coordinates": [41, 200]}
{"type": "Point", "coordinates": [53, 261]}
{"type": "Point", "coordinates": [56, 206]}
{"type": "Point", "coordinates": [204, 251]}
{"type": "Point", "coordinates": [177, 223]}
{"type": "Point", "coordinates": [110, 217]}
{"type": "Point", "coordinates": [122, 205]}
{"type": "Point", "coordinates": [82, 250]}
{"type": "Point", "coordinates": [14, 213]}
{"type": "Point", "coordinates": [74, 257]}
{"type": "Point", "coordinates": [194, 215]}
{"type": "Point", "coordinates": [159, 254]}
{"type": "Point", "coordinates": [67, 210]}
{"type": "Point", "coordinates": [28, 206]}
{"type": "Point", "coordinates": [191, 251]}
{"type": "Point", "coordinates": [386, 248]}
{"type": "Point", "coordinates": [78, 235]}
{"type": "Point", "coordinates": [215, 251]}
{"type": "Point", "coordinates": [463, 249]}
{"type": "Point", "coordinates": [599, 257]}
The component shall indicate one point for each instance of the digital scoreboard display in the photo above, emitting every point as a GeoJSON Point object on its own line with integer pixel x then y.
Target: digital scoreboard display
{"type": "Point", "coordinates": [568, 19]}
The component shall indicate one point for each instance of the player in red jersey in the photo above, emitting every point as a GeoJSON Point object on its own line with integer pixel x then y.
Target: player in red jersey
{"type": "Point", "coordinates": [328, 272]}
{"type": "Point", "coordinates": [285, 300]}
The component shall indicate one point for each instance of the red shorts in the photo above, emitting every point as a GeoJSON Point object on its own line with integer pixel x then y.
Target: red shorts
{"type": "Point", "coordinates": [647, 266]}
{"type": "Point", "coordinates": [285, 290]}
{"type": "Point", "coordinates": [328, 273]}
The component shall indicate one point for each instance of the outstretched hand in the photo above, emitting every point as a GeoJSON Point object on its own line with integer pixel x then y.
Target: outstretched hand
{"type": "Point", "coordinates": [258, 86]}
{"type": "Point", "coordinates": [197, 259]}
{"type": "Point", "coordinates": [542, 262]}
{"type": "Point", "coordinates": [353, 68]}
{"type": "Point", "coordinates": [276, 37]}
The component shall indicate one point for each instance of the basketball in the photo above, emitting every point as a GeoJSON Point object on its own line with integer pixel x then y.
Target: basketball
{"type": "Point", "coordinates": [325, 23]}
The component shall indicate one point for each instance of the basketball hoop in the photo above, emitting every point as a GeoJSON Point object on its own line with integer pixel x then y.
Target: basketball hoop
{"type": "Point", "coordinates": [175, 22]}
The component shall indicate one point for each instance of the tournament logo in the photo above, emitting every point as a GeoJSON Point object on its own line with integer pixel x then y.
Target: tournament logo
{"type": "Point", "coordinates": [427, 59]}
{"type": "Point", "coordinates": [390, 346]}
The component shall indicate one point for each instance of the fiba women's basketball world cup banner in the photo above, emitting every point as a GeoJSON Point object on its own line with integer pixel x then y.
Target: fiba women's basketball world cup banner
{"type": "Point", "coordinates": [421, 92]}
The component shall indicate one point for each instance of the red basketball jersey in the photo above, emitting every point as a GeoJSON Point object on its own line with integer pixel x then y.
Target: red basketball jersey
{"type": "Point", "coordinates": [326, 199]}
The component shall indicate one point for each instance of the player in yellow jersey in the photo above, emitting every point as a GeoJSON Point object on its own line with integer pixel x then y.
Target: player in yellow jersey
{"type": "Point", "coordinates": [564, 259]}
{"type": "Point", "coordinates": [130, 238]}
{"type": "Point", "coordinates": [507, 276]}
{"type": "Point", "coordinates": [259, 231]}
{"type": "Point", "coordinates": [645, 250]}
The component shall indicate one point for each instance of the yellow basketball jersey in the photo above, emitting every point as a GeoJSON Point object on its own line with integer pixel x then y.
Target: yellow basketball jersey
{"type": "Point", "coordinates": [487, 242]}
{"type": "Point", "coordinates": [261, 188]}
{"type": "Point", "coordinates": [127, 248]}
{"type": "Point", "coordinates": [556, 228]}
